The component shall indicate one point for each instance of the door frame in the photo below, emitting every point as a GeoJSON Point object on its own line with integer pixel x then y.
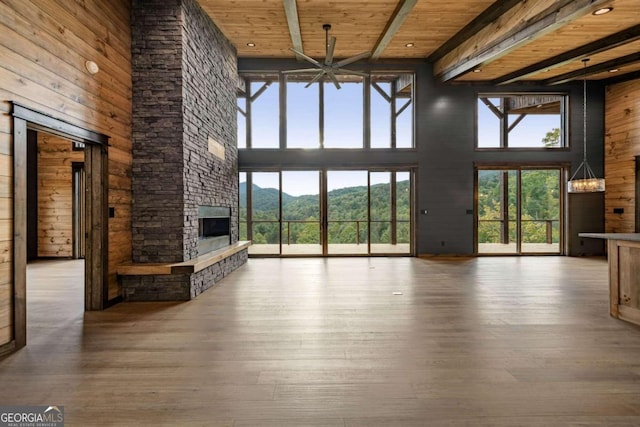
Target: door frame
{"type": "Point", "coordinates": [97, 230]}
{"type": "Point", "coordinates": [324, 207]}
{"type": "Point", "coordinates": [520, 167]}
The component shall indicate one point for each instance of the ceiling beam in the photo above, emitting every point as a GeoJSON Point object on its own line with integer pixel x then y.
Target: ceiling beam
{"type": "Point", "coordinates": [489, 15]}
{"type": "Point", "coordinates": [291, 11]}
{"type": "Point", "coordinates": [594, 69]}
{"type": "Point", "coordinates": [622, 78]}
{"type": "Point", "coordinates": [393, 25]}
{"type": "Point", "coordinates": [558, 14]}
{"type": "Point", "coordinates": [623, 37]}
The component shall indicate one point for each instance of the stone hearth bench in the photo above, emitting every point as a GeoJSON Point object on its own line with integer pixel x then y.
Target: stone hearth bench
{"type": "Point", "coordinates": [182, 280]}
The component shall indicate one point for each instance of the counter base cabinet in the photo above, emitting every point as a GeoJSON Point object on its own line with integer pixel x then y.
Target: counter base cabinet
{"type": "Point", "coordinates": [624, 279]}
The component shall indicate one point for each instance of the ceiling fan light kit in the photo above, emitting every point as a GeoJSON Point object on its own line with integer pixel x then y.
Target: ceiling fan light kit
{"type": "Point", "coordinates": [328, 67]}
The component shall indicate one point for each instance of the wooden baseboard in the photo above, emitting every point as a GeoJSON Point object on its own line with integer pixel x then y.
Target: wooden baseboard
{"type": "Point", "coordinates": [7, 349]}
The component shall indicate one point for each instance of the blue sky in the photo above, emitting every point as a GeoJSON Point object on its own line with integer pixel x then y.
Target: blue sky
{"type": "Point", "coordinates": [343, 117]}
{"type": "Point", "coordinates": [528, 133]}
{"type": "Point", "coordinates": [343, 129]}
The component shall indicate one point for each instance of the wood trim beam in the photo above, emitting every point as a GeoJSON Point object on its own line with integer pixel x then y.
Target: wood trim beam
{"type": "Point", "coordinates": [559, 14]}
{"type": "Point", "coordinates": [381, 92]}
{"type": "Point", "coordinates": [620, 38]}
{"type": "Point", "coordinates": [404, 107]}
{"type": "Point", "coordinates": [594, 69]}
{"type": "Point", "coordinates": [291, 11]}
{"type": "Point", "coordinates": [393, 25]}
{"type": "Point", "coordinates": [260, 91]}
{"type": "Point", "coordinates": [19, 231]}
{"type": "Point", "coordinates": [495, 110]}
{"type": "Point", "coordinates": [490, 14]}
{"type": "Point", "coordinates": [516, 122]}
{"type": "Point", "coordinates": [39, 121]}
{"type": "Point", "coordinates": [621, 78]}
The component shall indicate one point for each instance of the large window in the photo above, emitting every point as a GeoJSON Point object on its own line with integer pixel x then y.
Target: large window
{"type": "Point", "coordinates": [303, 109]}
{"type": "Point", "coordinates": [242, 122]}
{"type": "Point", "coordinates": [372, 112]}
{"type": "Point", "coordinates": [326, 212]}
{"type": "Point", "coordinates": [343, 121]}
{"type": "Point", "coordinates": [391, 111]}
{"type": "Point", "coordinates": [521, 121]}
{"type": "Point", "coordinates": [519, 210]}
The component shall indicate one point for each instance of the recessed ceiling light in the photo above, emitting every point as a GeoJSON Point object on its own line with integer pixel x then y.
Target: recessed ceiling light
{"type": "Point", "coordinates": [409, 45]}
{"type": "Point", "coordinates": [91, 67]}
{"type": "Point", "coordinates": [614, 70]}
{"type": "Point", "coordinates": [251, 44]}
{"type": "Point", "coordinates": [546, 70]}
{"type": "Point", "coordinates": [602, 11]}
{"type": "Point", "coordinates": [477, 70]}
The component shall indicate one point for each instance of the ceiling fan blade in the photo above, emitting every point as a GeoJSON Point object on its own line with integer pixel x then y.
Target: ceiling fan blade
{"type": "Point", "coordinates": [308, 58]}
{"type": "Point", "coordinates": [301, 70]}
{"type": "Point", "coordinates": [332, 46]}
{"type": "Point", "coordinates": [315, 79]}
{"type": "Point", "coordinates": [352, 59]}
{"type": "Point", "coordinates": [333, 79]}
{"type": "Point", "coordinates": [354, 73]}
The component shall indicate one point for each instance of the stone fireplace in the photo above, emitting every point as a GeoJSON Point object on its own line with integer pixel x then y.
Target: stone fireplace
{"type": "Point", "coordinates": [185, 158]}
{"type": "Point", "coordinates": [214, 230]}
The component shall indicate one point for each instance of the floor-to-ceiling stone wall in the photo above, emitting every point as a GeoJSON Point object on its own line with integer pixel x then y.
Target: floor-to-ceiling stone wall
{"type": "Point", "coordinates": [210, 76]}
{"type": "Point", "coordinates": [184, 132]}
{"type": "Point", "coordinates": [158, 165]}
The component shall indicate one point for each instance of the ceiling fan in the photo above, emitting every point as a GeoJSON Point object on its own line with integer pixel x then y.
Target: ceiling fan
{"type": "Point", "coordinates": [328, 67]}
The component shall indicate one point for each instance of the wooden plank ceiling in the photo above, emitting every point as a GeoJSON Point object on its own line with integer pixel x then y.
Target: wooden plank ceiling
{"type": "Point", "coordinates": [466, 40]}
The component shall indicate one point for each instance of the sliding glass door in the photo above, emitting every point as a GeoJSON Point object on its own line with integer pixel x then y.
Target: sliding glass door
{"type": "Point", "coordinates": [301, 226]}
{"type": "Point", "coordinates": [347, 212]}
{"type": "Point", "coordinates": [327, 212]}
{"type": "Point", "coordinates": [519, 211]}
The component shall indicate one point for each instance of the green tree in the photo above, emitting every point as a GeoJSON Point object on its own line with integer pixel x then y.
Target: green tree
{"type": "Point", "coordinates": [552, 138]}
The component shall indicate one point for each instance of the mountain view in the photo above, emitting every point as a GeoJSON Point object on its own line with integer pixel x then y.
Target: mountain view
{"type": "Point", "coordinates": [540, 205]}
{"type": "Point", "coordinates": [347, 212]}
{"type": "Point", "coordinates": [347, 215]}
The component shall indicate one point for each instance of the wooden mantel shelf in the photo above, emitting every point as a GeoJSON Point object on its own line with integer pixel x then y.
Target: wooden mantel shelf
{"type": "Point", "coordinates": [186, 267]}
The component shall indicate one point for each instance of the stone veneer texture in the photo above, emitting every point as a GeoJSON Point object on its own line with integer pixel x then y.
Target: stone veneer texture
{"type": "Point", "coordinates": [185, 78]}
{"type": "Point", "coordinates": [184, 93]}
{"type": "Point", "coordinates": [158, 158]}
{"type": "Point", "coordinates": [210, 79]}
{"type": "Point", "coordinates": [179, 287]}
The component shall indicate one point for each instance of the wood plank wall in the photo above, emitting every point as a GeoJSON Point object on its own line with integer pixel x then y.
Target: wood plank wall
{"type": "Point", "coordinates": [55, 195]}
{"type": "Point", "coordinates": [43, 48]}
{"type": "Point", "coordinates": [622, 144]}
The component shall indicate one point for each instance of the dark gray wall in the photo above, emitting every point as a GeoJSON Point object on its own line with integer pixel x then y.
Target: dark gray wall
{"type": "Point", "coordinates": [445, 156]}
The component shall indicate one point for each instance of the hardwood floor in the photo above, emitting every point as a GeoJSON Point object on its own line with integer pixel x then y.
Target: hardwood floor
{"type": "Point", "coordinates": [325, 342]}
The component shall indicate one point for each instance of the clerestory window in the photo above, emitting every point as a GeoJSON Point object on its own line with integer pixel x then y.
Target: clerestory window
{"type": "Point", "coordinates": [531, 121]}
{"type": "Point", "coordinates": [293, 112]}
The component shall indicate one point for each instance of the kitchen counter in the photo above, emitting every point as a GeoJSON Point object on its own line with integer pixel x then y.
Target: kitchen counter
{"type": "Point", "coordinates": [624, 274]}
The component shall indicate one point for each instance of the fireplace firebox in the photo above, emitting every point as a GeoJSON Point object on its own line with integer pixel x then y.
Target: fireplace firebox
{"type": "Point", "coordinates": [214, 228]}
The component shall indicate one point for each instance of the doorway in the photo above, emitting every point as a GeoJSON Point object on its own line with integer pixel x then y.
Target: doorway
{"type": "Point", "coordinates": [327, 212]}
{"type": "Point", "coordinates": [93, 229]}
{"type": "Point", "coordinates": [519, 211]}
{"type": "Point", "coordinates": [55, 197]}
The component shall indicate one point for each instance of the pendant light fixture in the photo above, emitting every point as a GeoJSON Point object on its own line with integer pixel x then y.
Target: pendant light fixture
{"type": "Point", "coordinates": [587, 183]}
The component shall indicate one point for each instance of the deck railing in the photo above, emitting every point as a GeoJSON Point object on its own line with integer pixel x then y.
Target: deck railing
{"type": "Point", "coordinates": [503, 225]}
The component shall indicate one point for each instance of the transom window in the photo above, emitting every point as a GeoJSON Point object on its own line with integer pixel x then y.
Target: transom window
{"type": "Point", "coordinates": [292, 112]}
{"type": "Point", "coordinates": [521, 121]}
